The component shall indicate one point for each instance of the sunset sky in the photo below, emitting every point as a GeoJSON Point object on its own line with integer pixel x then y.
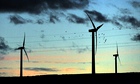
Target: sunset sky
{"type": "Point", "coordinates": [57, 37]}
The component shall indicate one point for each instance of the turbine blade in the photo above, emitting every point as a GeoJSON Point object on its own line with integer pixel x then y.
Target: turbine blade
{"type": "Point", "coordinates": [119, 60]}
{"type": "Point", "coordinates": [91, 21]}
{"type": "Point", "coordinates": [96, 41]}
{"type": "Point", "coordinates": [24, 40]}
{"type": "Point", "coordinates": [117, 47]}
{"type": "Point", "coordinates": [26, 54]}
{"type": "Point", "coordinates": [99, 27]}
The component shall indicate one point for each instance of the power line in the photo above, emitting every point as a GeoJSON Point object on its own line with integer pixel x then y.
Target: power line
{"type": "Point", "coordinates": [114, 44]}
{"type": "Point", "coordinates": [51, 40]}
{"type": "Point", "coordinates": [80, 47]}
{"type": "Point", "coordinates": [71, 39]}
{"type": "Point", "coordinates": [64, 34]}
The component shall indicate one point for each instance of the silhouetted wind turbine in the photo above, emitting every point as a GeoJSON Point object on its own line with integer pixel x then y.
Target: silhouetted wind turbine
{"type": "Point", "coordinates": [94, 30]}
{"type": "Point", "coordinates": [116, 55]}
{"type": "Point", "coordinates": [22, 48]}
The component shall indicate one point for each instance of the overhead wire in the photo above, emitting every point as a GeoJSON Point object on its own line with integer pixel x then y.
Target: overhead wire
{"type": "Point", "coordinates": [89, 37]}
{"type": "Point", "coordinates": [84, 47]}
{"type": "Point", "coordinates": [66, 34]}
{"type": "Point", "coordinates": [61, 48]}
{"type": "Point", "coordinates": [46, 50]}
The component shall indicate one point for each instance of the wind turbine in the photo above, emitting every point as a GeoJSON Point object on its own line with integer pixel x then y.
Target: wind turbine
{"type": "Point", "coordinates": [94, 30]}
{"type": "Point", "coordinates": [116, 55]}
{"type": "Point", "coordinates": [22, 48]}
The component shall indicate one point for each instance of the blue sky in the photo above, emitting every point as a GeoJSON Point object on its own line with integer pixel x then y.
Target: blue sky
{"type": "Point", "coordinates": [57, 37]}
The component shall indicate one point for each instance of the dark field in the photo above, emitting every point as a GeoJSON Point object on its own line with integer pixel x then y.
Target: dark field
{"type": "Point", "coordinates": [108, 78]}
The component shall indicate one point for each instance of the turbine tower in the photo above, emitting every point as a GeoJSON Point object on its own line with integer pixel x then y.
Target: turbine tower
{"type": "Point", "coordinates": [116, 55]}
{"type": "Point", "coordinates": [21, 58]}
{"type": "Point", "coordinates": [94, 30]}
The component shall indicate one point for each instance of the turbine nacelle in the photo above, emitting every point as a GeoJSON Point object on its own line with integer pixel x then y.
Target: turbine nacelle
{"type": "Point", "coordinates": [116, 55]}
{"type": "Point", "coordinates": [19, 48]}
{"type": "Point", "coordinates": [92, 30]}
{"type": "Point", "coordinates": [95, 29]}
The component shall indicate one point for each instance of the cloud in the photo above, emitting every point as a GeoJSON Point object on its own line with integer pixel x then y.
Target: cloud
{"type": "Point", "coordinates": [4, 48]}
{"type": "Point", "coordinates": [53, 18]}
{"type": "Point", "coordinates": [97, 16]}
{"type": "Point", "coordinates": [130, 20]}
{"type": "Point", "coordinates": [42, 36]}
{"type": "Point", "coordinates": [71, 69]}
{"type": "Point", "coordinates": [40, 21]}
{"type": "Point", "coordinates": [136, 37]}
{"type": "Point", "coordinates": [1, 58]}
{"type": "Point", "coordinates": [84, 62]}
{"type": "Point", "coordinates": [124, 11]}
{"type": "Point", "coordinates": [118, 24]}
{"type": "Point", "coordinates": [66, 4]}
{"type": "Point", "coordinates": [16, 19]}
{"type": "Point", "coordinates": [41, 69]}
{"type": "Point", "coordinates": [135, 4]}
{"type": "Point", "coordinates": [63, 38]}
{"type": "Point", "coordinates": [115, 22]}
{"type": "Point", "coordinates": [79, 49]}
{"type": "Point", "coordinates": [125, 21]}
{"type": "Point", "coordinates": [39, 6]}
{"type": "Point", "coordinates": [5, 68]}
{"type": "Point", "coordinates": [3, 73]}
{"type": "Point", "coordinates": [82, 50]}
{"type": "Point", "coordinates": [76, 19]}
{"type": "Point", "coordinates": [21, 6]}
